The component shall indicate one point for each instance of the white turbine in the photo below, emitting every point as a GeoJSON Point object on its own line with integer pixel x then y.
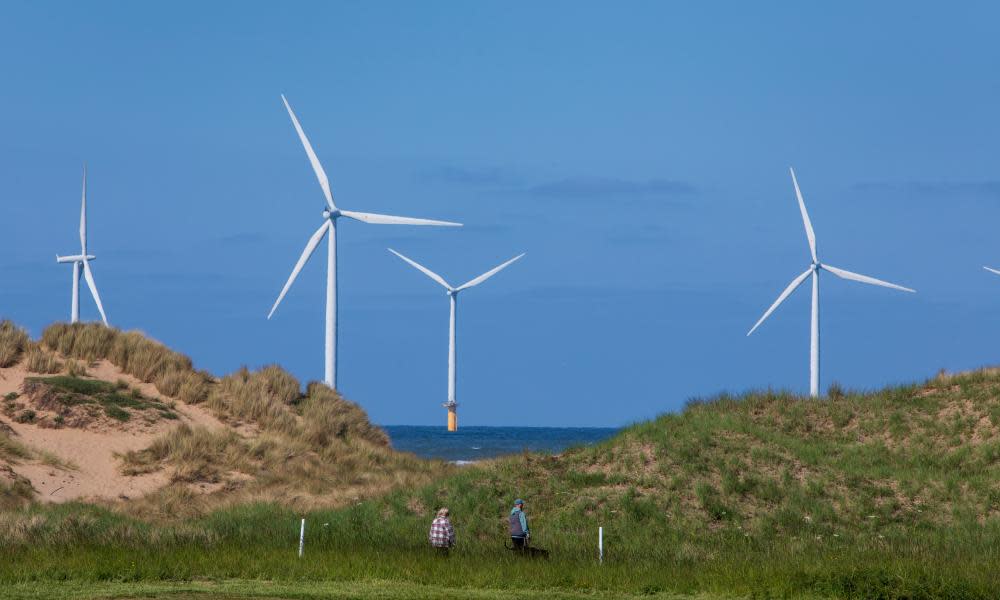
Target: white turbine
{"type": "Point", "coordinates": [330, 215]}
{"type": "Point", "coordinates": [992, 270]}
{"type": "Point", "coordinates": [814, 270]}
{"type": "Point", "coordinates": [83, 259]}
{"type": "Point", "coordinates": [452, 404]}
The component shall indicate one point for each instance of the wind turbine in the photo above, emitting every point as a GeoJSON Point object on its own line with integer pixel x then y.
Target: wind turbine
{"type": "Point", "coordinates": [814, 268]}
{"type": "Point", "coordinates": [330, 215]}
{"type": "Point", "coordinates": [83, 259]}
{"type": "Point", "coordinates": [992, 270]}
{"type": "Point", "coordinates": [451, 404]}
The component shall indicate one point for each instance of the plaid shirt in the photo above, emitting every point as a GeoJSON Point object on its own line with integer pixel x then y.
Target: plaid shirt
{"type": "Point", "coordinates": [442, 533]}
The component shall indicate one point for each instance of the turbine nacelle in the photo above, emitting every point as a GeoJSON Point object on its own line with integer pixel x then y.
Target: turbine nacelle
{"type": "Point", "coordinates": [331, 214]}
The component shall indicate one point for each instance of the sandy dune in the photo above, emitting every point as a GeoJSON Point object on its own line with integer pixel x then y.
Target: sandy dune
{"type": "Point", "coordinates": [89, 467]}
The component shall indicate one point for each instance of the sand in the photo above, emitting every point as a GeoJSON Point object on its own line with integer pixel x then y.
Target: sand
{"type": "Point", "coordinates": [86, 463]}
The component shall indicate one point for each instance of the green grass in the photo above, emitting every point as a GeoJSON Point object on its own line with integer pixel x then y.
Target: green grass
{"type": "Point", "coordinates": [75, 391]}
{"type": "Point", "coordinates": [768, 571]}
{"type": "Point", "coordinates": [887, 494]}
{"type": "Point", "coordinates": [239, 589]}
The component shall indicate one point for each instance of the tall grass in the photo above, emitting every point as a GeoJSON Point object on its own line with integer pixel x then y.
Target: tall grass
{"type": "Point", "coordinates": [361, 543]}
{"type": "Point", "coordinates": [39, 360]}
{"type": "Point", "coordinates": [171, 372]}
{"type": "Point", "coordinates": [261, 397]}
{"type": "Point", "coordinates": [13, 342]}
{"type": "Point", "coordinates": [312, 449]}
{"type": "Point", "coordinates": [885, 494]}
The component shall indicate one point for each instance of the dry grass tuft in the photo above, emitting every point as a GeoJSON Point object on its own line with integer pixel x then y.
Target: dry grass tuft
{"type": "Point", "coordinates": [326, 415]}
{"type": "Point", "coordinates": [39, 360]}
{"type": "Point", "coordinates": [260, 397]}
{"type": "Point", "coordinates": [306, 450]}
{"type": "Point", "coordinates": [171, 372]}
{"type": "Point", "coordinates": [75, 368]}
{"type": "Point", "coordinates": [13, 342]}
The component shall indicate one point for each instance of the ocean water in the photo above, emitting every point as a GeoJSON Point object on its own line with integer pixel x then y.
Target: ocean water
{"type": "Point", "coordinates": [478, 443]}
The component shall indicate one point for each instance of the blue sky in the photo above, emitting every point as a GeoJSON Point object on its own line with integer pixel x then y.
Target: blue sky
{"type": "Point", "coordinates": [638, 152]}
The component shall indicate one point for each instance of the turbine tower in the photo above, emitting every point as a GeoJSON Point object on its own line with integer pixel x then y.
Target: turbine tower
{"type": "Point", "coordinates": [83, 259]}
{"type": "Point", "coordinates": [814, 268]}
{"type": "Point", "coordinates": [330, 215]}
{"type": "Point", "coordinates": [451, 404]}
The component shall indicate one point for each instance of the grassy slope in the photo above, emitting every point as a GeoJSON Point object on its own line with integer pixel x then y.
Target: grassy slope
{"type": "Point", "coordinates": [888, 494]}
{"type": "Point", "coordinates": [891, 494]}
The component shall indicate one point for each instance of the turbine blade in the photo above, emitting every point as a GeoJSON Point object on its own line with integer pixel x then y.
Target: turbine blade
{"type": "Point", "coordinates": [423, 269]}
{"type": "Point", "coordinates": [391, 220]}
{"type": "Point", "coordinates": [810, 234]}
{"type": "Point", "coordinates": [310, 248]}
{"type": "Point", "coordinates": [863, 278]}
{"type": "Point", "coordinates": [992, 270]}
{"type": "Point", "coordinates": [93, 289]}
{"type": "Point", "coordinates": [83, 214]}
{"type": "Point", "coordinates": [313, 160]}
{"type": "Point", "coordinates": [788, 292]}
{"type": "Point", "coordinates": [488, 274]}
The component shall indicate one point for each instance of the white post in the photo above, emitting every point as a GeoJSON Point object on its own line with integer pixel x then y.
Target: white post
{"type": "Point", "coordinates": [302, 537]}
{"type": "Point", "coordinates": [600, 545]}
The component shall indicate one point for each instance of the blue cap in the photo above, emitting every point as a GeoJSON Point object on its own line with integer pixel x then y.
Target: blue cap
{"type": "Point", "coordinates": [518, 501]}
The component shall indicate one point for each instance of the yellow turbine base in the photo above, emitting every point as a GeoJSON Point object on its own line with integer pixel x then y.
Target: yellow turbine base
{"type": "Point", "coordinates": [452, 419]}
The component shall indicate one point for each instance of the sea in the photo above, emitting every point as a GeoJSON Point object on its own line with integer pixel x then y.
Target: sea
{"type": "Point", "coordinates": [470, 444]}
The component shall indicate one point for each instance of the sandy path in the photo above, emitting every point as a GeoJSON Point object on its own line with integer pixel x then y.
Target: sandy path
{"type": "Point", "coordinates": [95, 468]}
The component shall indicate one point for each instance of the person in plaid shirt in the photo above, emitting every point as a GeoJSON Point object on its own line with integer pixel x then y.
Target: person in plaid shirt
{"type": "Point", "coordinates": [442, 534]}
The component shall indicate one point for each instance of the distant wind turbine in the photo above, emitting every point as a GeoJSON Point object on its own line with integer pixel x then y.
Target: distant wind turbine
{"type": "Point", "coordinates": [330, 215]}
{"type": "Point", "coordinates": [451, 404]}
{"type": "Point", "coordinates": [814, 270]}
{"type": "Point", "coordinates": [83, 259]}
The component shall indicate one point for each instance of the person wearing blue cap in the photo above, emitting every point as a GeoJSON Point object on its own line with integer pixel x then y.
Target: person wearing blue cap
{"type": "Point", "coordinates": [519, 533]}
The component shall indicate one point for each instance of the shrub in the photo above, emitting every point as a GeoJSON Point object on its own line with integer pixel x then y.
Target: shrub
{"type": "Point", "coordinates": [116, 412]}
{"type": "Point", "coordinates": [25, 416]}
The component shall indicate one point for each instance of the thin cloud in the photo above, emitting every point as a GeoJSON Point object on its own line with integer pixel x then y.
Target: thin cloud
{"type": "Point", "coordinates": [600, 188]}
{"type": "Point", "coordinates": [498, 179]}
{"type": "Point", "coordinates": [478, 177]}
{"type": "Point", "coordinates": [989, 190]}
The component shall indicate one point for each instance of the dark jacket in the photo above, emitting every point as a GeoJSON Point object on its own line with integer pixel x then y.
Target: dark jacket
{"type": "Point", "coordinates": [518, 523]}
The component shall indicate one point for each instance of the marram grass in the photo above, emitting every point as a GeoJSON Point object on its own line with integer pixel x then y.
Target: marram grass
{"type": "Point", "coordinates": [888, 494]}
